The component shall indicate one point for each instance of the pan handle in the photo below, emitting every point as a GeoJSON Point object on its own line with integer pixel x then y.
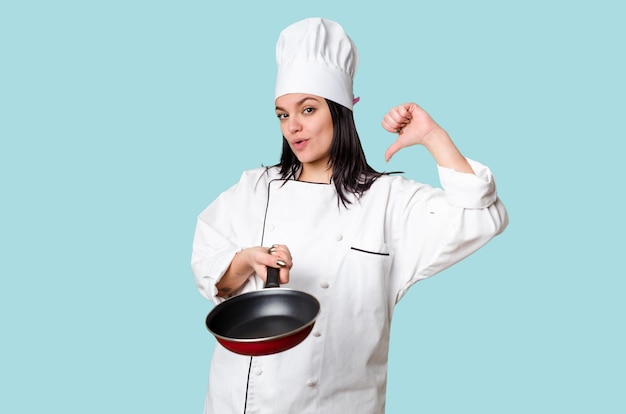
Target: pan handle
{"type": "Point", "coordinates": [272, 280]}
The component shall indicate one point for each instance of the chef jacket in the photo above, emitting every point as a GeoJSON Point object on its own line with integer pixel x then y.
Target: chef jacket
{"type": "Point", "coordinates": [358, 261]}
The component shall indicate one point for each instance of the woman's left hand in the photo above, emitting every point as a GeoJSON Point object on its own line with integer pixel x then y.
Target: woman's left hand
{"type": "Point", "coordinates": [411, 123]}
{"type": "Point", "coordinates": [415, 127]}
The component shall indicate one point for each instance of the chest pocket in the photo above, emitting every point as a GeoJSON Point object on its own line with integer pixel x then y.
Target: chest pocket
{"type": "Point", "coordinates": [381, 253]}
{"type": "Point", "coordinates": [370, 257]}
{"type": "Point", "coordinates": [369, 247]}
{"type": "Point", "coordinates": [365, 278]}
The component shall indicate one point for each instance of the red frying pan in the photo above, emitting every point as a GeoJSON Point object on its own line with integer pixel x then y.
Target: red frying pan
{"type": "Point", "coordinates": [265, 321]}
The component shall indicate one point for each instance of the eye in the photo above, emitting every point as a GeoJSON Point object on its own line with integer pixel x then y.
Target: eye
{"type": "Point", "coordinates": [308, 110]}
{"type": "Point", "coordinates": [282, 115]}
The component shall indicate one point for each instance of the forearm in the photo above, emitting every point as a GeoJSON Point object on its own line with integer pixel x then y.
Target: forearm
{"type": "Point", "coordinates": [235, 276]}
{"type": "Point", "coordinates": [445, 153]}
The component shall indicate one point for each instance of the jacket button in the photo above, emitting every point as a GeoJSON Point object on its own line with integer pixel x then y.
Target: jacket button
{"type": "Point", "coordinates": [317, 334]}
{"type": "Point", "coordinates": [324, 285]}
{"type": "Point", "coordinates": [338, 237]}
{"type": "Point", "coordinates": [311, 383]}
{"type": "Point", "coordinates": [258, 371]}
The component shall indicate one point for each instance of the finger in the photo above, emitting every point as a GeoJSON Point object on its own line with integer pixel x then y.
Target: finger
{"type": "Point", "coordinates": [275, 260]}
{"type": "Point", "coordinates": [280, 250]}
{"type": "Point", "coordinates": [393, 148]}
{"type": "Point", "coordinates": [389, 124]}
{"type": "Point", "coordinates": [407, 111]}
{"type": "Point", "coordinates": [280, 256]}
{"type": "Point", "coordinates": [400, 115]}
{"type": "Point", "coordinates": [273, 249]}
{"type": "Point", "coordinates": [395, 121]}
{"type": "Point", "coordinates": [283, 275]}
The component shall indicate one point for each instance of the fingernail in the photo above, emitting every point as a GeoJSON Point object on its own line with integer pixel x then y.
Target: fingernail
{"type": "Point", "coordinates": [272, 250]}
{"type": "Point", "coordinates": [281, 263]}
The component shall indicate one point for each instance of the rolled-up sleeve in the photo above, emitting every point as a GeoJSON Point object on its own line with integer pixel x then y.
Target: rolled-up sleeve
{"type": "Point", "coordinates": [469, 190]}
{"type": "Point", "coordinates": [211, 256]}
{"type": "Point", "coordinates": [436, 228]}
{"type": "Point", "coordinates": [230, 223]}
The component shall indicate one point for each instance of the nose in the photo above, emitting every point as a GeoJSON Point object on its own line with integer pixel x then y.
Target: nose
{"type": "Point", "coordinates": [294, 125]}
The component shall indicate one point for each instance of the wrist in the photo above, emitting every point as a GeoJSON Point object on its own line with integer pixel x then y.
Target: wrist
{"type": "Point", "coordinates": [436, 138]}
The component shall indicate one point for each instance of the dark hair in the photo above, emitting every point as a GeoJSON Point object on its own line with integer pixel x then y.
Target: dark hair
{"type": "Point", "coordinates": [351, 172]}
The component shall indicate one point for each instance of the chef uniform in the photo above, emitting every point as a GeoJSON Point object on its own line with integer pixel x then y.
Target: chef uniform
{"type": "Point", "coordinates": [358, 261]}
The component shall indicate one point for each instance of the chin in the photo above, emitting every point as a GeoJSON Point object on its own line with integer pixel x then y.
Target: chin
{"type": "Point", "coordinates": [305, 160]}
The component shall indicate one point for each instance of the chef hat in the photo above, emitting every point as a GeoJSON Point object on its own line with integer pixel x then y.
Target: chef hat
{"type": "Point", "coordinates": [316, 56]}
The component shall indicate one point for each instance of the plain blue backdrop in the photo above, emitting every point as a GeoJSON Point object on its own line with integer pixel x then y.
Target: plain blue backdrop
{"type": "Point", "coordinates": [121, 120]}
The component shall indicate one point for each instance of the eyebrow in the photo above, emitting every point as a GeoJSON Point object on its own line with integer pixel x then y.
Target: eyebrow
{"type": "Point", "coordinates": [300, 102]}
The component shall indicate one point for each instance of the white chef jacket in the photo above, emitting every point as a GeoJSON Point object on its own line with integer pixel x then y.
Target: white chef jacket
{"type": "Point", "coordinates": [357, 261]}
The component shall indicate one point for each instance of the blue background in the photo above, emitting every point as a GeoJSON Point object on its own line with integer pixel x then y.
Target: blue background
{"type": "Point", "coordinates": [121, 120]}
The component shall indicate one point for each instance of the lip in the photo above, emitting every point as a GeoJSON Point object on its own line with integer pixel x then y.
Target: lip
{"type": "Point", "coordinates": [299, 144]}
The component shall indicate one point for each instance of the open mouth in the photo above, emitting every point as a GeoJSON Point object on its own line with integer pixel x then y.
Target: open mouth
{"type": "Point", "coordinates": [300, 144]}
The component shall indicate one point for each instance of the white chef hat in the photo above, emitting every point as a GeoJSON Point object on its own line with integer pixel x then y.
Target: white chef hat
{"type": "Point", "coordinates": [316, 56]}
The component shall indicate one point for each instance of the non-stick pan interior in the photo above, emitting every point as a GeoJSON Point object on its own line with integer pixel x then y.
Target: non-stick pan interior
{"type": "Point", "coordinates": [263, 314]}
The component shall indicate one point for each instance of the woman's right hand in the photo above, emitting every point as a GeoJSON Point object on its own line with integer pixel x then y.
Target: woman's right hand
{"type": "Point", "coordinates": [255, 260]}
{"type": "Point", "coordinates": [278, 256]}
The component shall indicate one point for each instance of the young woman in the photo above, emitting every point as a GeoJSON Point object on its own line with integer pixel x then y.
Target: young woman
{"type": "Point", "coordinates": [354, 238]}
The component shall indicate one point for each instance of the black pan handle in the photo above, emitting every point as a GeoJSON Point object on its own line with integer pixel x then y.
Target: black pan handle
{"type": "Point", "coordinates": [272, 280]}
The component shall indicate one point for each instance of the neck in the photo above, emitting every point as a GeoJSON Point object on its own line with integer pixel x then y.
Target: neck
{"type": "Point", "coordinates": [316, 175]}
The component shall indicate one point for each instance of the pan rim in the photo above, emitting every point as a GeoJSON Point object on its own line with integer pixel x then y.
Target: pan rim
{"type": "Point", "coordinates": [262, 292]}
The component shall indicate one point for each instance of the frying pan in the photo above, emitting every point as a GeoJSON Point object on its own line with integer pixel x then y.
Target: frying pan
{"type": "Point", "coordinates": [265, 321]}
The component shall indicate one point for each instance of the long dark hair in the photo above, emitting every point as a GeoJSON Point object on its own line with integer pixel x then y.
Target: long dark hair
{"type": "Point", "coordinates": [351, 172]}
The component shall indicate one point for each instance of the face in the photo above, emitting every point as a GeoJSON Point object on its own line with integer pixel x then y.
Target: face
{"type": "Point", "coordinates": [307, 125]}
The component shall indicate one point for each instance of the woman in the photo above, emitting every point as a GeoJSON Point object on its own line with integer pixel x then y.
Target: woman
{"type": "Point", "coordinates": [354, 238]}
